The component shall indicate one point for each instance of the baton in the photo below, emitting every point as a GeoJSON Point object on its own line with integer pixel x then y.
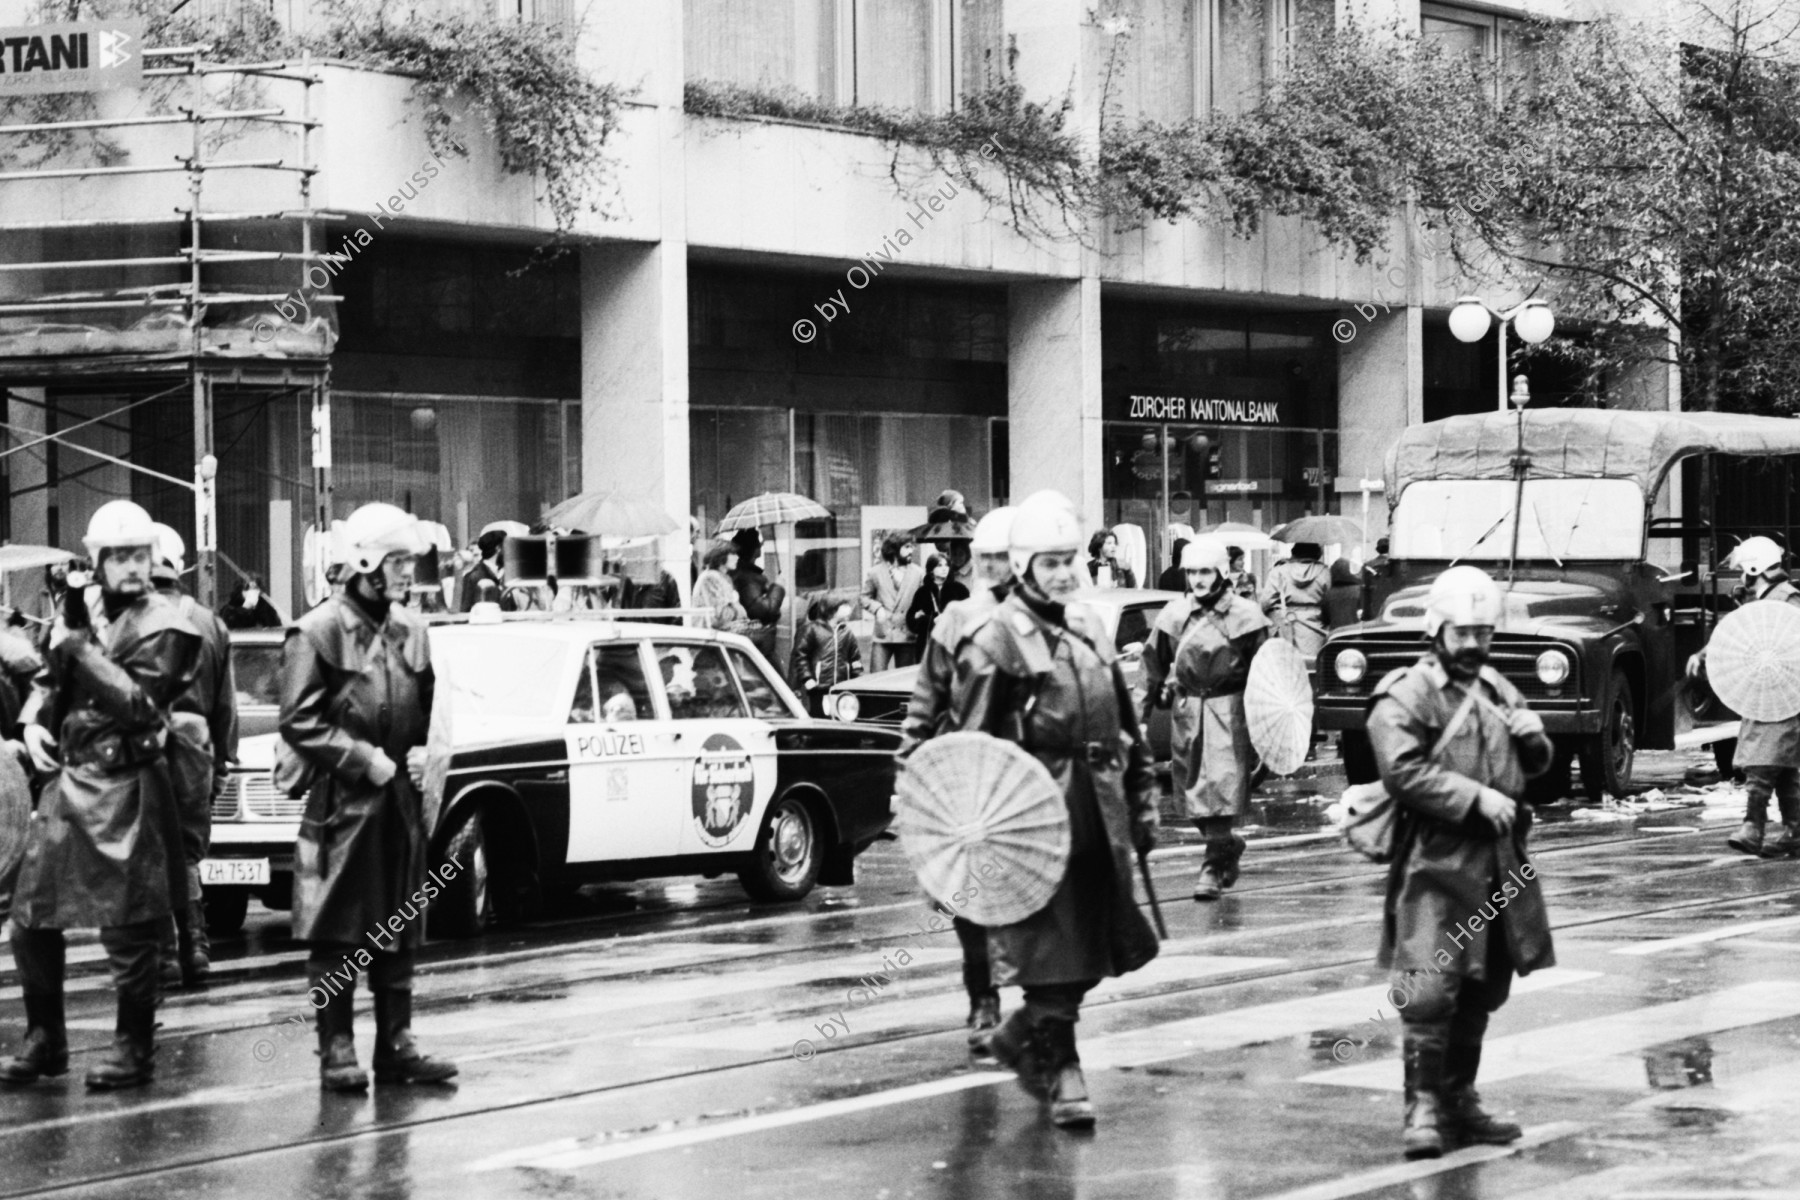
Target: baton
{"type": "Point", "coordinates": [1150, 890]}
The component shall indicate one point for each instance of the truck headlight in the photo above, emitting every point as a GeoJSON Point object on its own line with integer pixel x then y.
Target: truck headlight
{"type": "Point", "coordinates": [1552, 668]}
{"type": "Point", "coordinates": [1350, 666]}
{"type": "Point", "coordinates": [847, 707]}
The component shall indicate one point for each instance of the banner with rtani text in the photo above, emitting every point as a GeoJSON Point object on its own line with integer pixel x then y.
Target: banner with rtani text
{"type": "Point", "coordinates": [91, 56]}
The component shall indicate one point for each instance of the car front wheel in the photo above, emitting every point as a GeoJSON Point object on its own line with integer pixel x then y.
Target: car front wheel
{"type": "Point", "coordinates": [785, 863]}
{"type": "Point", "coordinates": [466, 905]}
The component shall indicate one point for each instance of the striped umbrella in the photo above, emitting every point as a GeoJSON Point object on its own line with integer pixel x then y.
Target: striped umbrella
{"type": "Point", "coordinates": [772, 508]}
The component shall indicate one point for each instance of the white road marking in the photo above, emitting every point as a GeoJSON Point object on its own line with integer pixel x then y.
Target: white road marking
{"type": "Point", "coordinates": [1558, 1046]}
{"type": "Point", "coordinates": [1400, 1173]}
{"type": "Point", "coordinates": [1642, 949]}
{"type": "Point", "coordinates": [1141, 1047]}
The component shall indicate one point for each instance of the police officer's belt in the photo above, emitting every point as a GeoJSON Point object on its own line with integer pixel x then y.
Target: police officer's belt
{"type": "Point", "coordinates": [1100, 754]}
{"type": "Point", "coordinates": [115, 751]}
{"type": "Point", "coordinates": [1230, 689]}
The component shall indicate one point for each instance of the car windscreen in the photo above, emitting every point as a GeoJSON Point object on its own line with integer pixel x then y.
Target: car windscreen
{"type": "Point", "coordinates": [1471, 520]}
{"type": "Point", "coordinates": [504, 677]}
{"type": "Point", "coordinates": [256, 670]}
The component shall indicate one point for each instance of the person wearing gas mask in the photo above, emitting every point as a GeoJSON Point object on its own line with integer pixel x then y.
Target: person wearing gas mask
{"type": "Point", "coordinates": [1041, 671]}
{"type": "Point", "coordinates": [356, 694]}
{"type": "Point", "coordinates": [926, 713]}
{"type": "Point", "coordinates": [203, 722]}
{"type": "Point", "coordinates": [1197, 663]}
{"type": "Point", "coordinates": [1768, 752]}
{"type": "Point", "coordinates": [1455, 743]}
{"type": "Point", "coordinates": [102, 850]}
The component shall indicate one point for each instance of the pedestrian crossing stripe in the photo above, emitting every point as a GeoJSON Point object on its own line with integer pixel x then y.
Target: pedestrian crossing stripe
{"type": "Point", "coordinates": [1659, 945]}
{"type": "Point", "coordinates": [1555, 1046]}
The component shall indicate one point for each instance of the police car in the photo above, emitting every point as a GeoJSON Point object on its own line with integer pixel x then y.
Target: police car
{"type": "Point", "coordinates": [574, 749]}
{"type": "Point", "coordinates": [254, 825]}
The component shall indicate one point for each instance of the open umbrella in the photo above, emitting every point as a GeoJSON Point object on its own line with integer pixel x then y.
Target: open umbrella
{"type": "Point", "coordinates": [1753, 661]}
{"type": "Point", "coordinates": [772, 508]}
{"type": "Point", "coordinates": [984, 826]}
{"type": "Point", "coordinates": [1278, 706]}
{"type": "Point", "coordinates": [608, 514]}
{"type": "Point", "coordinates": [1244, 537]}
{"type": "Point", "coordinates": [1325, 531]}
{"type": "Point", "coordinates": [23, 558]}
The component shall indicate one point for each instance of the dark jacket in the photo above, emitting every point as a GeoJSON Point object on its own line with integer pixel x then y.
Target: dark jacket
{"type": "Point", "coordinates": [1452, 878]}
{"type": "Point", "coordinates": [664, 593]}
{"type": "Point", "coordinates": [472, 592]}
{"type": "Point", "coordinates": [929, 603]}
{"type": "Point", "coordinates": [204, 722]}
{"type": "Point", "coordinates": [825, 655]}
{"type": "Point", "coordinates": [236, 616]}
{"type": "Point", "coordinates": [1122, 575]}
{"type": "Point", "coordinates": [104, 847]}
{"type": "Point", "coordinates": [348, 688]}
{"type": "Point", "coordinates": [1049, 679]}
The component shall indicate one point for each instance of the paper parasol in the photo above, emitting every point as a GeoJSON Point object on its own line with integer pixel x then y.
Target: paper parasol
{"type": "Point", "coordinates": [984, 826]}
{"type": "Point", "coordinates": [1753, 661]}
{"type": "Point", "coordinates": [1278, 706]}
{"type": "Point", "coordinates": [15, 817]}
{"type": "Point", "coordinates": [1244, 537]}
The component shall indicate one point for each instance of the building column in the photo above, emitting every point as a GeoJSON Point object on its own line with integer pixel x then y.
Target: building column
{"type": "Point", "coordinates": [634, 334]}
{"type": "Point", "coordinates": [27, 471]}
{"type": "Point", "coordinates": [1381, 390]}
{"type": "Point", "coordinates": [1053, 391]}
{"type": "Point", "coordinates": [634, 380]}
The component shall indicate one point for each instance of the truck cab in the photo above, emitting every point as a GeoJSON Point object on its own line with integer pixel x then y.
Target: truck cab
{"type": "Point", "coordinates": [1558, 506]}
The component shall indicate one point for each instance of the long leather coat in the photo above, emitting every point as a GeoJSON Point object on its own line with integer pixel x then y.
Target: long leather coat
{"type": "Point", "coordinates": [1054, 686]}
{"type": "Point", "coordinates": [205, 726]}
{"type": "Point", "coordinates": [348, 688]}
{"type": "Point", "coordinates": [1208, 650]}
{"type": "Point", "coordinates": [1452, 879]}
{"type": "Point", "coordinates": [102, 848]}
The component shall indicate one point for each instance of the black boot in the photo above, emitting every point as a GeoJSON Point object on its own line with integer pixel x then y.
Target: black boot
{"type": "Point", "coordinates": [1015, 1044]}
{"type": "Point", "coordinates": [1463, 1116]}
{"type": "Point", "coordinates": [984, 1018]}
{"type": "Point", "coordinates": [1424, 1058]}
{"type": "Point", "coordinates": [132, 1062]}
{"type": "Point", "coordinates": [397, 1057]}
{"type": "Point", "coordinates": [168, 956]}
{"type": "Point", "coordinates": [338, 1071]}
{"type": "Point", "coordinates": [1787, 845]}
{"type": "Point", "coordinates": [1748, 839]}
{"type": "Point", "coordinates": [1070, 1107]}
{"type": "Point", "coordinates": [46, 1047]}
{"type": "Point", "coordinates": [195, 947]}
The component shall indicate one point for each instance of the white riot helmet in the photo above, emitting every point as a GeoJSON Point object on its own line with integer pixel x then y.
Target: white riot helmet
{"type": "Point", "coordinates": [993, 533]}
{"type": "Point", "coordinates": [375, 531]}
{"type": "Point", "coordinates": [1044, 524]}
{"type": "Point", "coordinates": [170, 548]}
{"type": "Point", "coordinates": [1757, 555]}
{"type": "Point", "coordinates": [116, 525]}
{"type": "Point", "coordinates": [1206, 554]}
{"type": "Point", "coordinates": [1462, 596]}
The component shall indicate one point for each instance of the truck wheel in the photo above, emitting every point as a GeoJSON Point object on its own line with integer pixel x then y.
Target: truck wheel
{"type": "Point", "coordinates": [466, 906]}
{"type": "Point", "coordinates": [1607, 756]}
{"type": "Point", "coordinates": [785, 863]}
{"type": "Point", "coordinates": [1357, 756]}
{"type": "Point", "coordinates": [225, 909]}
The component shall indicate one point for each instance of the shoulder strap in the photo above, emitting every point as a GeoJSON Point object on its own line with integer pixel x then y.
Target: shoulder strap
{"type": "Point", "coordinates": [1455, 724]}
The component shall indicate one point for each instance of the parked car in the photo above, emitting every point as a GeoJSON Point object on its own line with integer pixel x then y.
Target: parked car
{"type": "Point", "coordinates": [570, 750]}
{"type": "Point", "coordinates": [254, 825]}
{"type": "Point", "coordinates": [880, 698]}
{"type": "Point", "coordinates": [1558, 505]}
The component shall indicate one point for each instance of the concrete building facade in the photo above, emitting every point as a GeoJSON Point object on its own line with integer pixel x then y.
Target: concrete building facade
{"type": "Point", "coordinates": [758, 305]}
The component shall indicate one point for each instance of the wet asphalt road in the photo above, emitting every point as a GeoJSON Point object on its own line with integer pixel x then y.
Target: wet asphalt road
{"type": "Point", "coordinates": [676, 1041]}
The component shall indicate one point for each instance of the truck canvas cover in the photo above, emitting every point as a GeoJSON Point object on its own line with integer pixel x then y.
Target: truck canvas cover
{"type": "Point", "coordinates": [1579, 443]}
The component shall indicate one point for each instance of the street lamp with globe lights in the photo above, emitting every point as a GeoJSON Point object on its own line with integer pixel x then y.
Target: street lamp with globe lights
{"type": "Point", "coordinates": [1532, 321]}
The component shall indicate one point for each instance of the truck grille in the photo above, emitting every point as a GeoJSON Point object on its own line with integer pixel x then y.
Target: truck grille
{"type": "Point", "coordinates": [252, 796]}
{"type": "Point", "coordinates": [1513, 656]}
